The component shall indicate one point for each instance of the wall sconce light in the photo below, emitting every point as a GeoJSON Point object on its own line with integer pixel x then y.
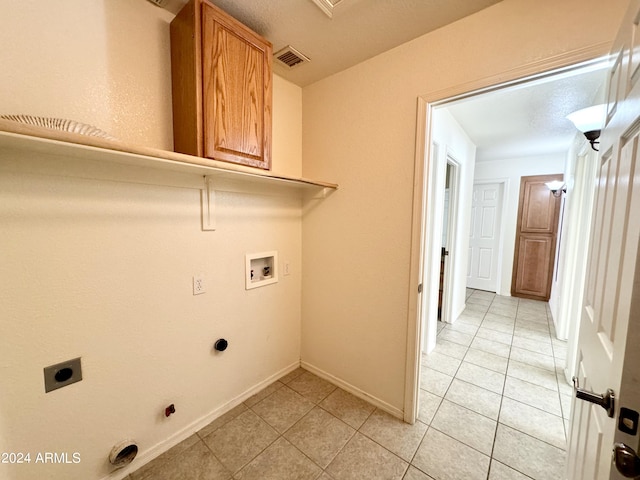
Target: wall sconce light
{"type": "Point", "coordinates": [590, 122]}
{"type": "Point", "coordinates": [557, 187]}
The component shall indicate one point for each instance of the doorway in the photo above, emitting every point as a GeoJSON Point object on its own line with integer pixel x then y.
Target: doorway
{"type": "Point", "coordinates": [485, 236]}
{"type": "Point", "coordinates": [427, 172]}
{"type": "Point", "coordinates": [449, 237]}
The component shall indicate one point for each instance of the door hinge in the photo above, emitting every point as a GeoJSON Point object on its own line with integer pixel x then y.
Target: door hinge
{"type": "Point", "coordinates": [420, 288]}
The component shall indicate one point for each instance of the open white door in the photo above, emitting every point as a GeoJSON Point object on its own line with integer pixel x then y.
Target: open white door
{"type": "Point", "coordinates": [610, 319]}
{"type": "Point", "coordinates": [450, 250]}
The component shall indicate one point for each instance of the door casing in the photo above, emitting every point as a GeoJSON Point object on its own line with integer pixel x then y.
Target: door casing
{"type": "Point", "coordinates": [424, 186]}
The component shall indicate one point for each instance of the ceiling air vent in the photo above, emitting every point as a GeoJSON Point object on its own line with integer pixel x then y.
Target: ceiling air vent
{"type": "Point", "coordinates": [327, 6]}
{"type": "Point", "coordinates": [290, 57]}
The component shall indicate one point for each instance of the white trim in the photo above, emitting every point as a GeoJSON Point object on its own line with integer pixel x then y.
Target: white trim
{"type": "Point", "coordinates": [381, 404]}
{"type": "Point", "coordinates": [452, 239]}
{"type": "Point", "coordinates": [538, 69]}
{"type": "Point", "coordinates": [158, 449]}
{"type": "Point", "coordinates": [414, 324]}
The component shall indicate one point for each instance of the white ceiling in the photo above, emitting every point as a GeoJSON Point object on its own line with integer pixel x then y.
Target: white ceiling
{"type": "Point", "coordinates": [529, 119]}
{"type": "Point", "coordinates": [359, 29]}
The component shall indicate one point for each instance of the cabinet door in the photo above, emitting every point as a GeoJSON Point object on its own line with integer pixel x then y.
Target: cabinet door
{"type": "Point", "coordinates": [236, 78]}
{"type": "Point", "coordinates": [538, 207]}
{"type": "Point", "coordinates": [534, 255]}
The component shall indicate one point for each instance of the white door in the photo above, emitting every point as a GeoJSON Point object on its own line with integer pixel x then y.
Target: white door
{"type": "Point", "coordinates": [450, 250]}
{"type": "Point", "coordinates": [484, 236]}
{"type": "Point", "coordinates": [610, 319]}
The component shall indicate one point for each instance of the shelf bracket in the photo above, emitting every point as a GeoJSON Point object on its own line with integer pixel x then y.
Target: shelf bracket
{"type": "Point", "coordinates": [208, 204]}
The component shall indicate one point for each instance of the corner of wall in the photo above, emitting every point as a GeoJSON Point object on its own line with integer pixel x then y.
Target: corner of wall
{"type": "Point", "coordinates": [287, 128]}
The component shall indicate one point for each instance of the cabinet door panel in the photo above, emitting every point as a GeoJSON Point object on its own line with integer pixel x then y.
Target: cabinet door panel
{"type": "Point", "coordinates": [221, 86]}
{"type": "Point", "coordinates": [534, 252]}
{"type": "Point", "coordinates": [539, 209]}
{"type": "Point", "coordinates": [234, 94]}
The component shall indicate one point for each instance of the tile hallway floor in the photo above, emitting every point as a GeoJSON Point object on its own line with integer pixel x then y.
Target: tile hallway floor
{"type": "Point", "coordinates": [491, 407]}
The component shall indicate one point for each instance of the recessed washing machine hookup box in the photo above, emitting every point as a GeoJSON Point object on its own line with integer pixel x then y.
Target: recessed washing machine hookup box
{"type": "Point", "coordinates": [261, 269]}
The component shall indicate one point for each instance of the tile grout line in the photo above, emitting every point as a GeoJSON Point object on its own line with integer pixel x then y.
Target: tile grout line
{"type": "Point", "coordinates": [468, 347]}
{"type": "Point", "coordinates": [532, 406]}
{"type": "Point", "coordinates": [495, 434]}
{"type": "Point", "coordinates": [509, 360]}
{"type": "Point", "coordinates": [562, 412]}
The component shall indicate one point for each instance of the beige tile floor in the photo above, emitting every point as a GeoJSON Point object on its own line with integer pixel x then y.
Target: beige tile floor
{"type": "Point", "coordinates": [491, 407]}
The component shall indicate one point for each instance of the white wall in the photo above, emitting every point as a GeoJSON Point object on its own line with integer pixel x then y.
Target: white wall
{"type": "Point", "coordinates": [449, 141]}
{"type": "Point", "coordinates": [511, 171]}
{"type": "Point", "coordinates": [453, 141]}
{"type": "Point", "coordinates": [359, 129]}
{"type": "Point", "coordinates": [287, 128]}
{"type": "Point", "coordinates": [103, 269]}
{"type": "Point", "coordinates": [107, 63]}
{"type": "Point", "coordinates": [90, 62]}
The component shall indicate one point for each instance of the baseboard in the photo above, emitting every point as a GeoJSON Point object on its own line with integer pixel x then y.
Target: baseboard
{"type": "Point", "coordinates": [457, 315]}
{"type": "Point", "coordinates": [381, 404]}
{"type": "Point", "coordinates": [158, 449]}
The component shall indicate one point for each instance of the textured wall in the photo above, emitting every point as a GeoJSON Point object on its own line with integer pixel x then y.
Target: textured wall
{"type": "Point", "coordinates": [103, 269]}
{"type": "Point", "coordinates": [359, 129]}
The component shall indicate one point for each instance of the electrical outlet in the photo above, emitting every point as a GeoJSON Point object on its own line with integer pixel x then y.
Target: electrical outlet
{"type": "Point", "coordinates": [62, 374]}
{"type": "Point", "coordinates": [286, 268]}
{"type": "Point", "coordinates": [198, 284]}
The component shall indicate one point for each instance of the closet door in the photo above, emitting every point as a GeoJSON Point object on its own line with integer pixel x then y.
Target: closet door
{"type": "Point", "coordinates": [536, 236]}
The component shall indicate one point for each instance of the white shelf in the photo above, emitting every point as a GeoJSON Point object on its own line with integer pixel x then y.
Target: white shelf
{"type": "Point", "coordinates": [34, 148]}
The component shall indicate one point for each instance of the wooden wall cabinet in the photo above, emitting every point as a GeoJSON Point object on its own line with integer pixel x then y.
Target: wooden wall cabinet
{"type": "Point", "coordinates": [221, 87]}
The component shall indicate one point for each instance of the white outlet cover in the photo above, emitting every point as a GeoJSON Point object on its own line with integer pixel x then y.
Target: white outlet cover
{"type": "Point", "coordinates": [199, 285]}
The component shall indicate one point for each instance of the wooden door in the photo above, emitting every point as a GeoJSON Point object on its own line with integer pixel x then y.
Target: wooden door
{"type": "Point", "coordinates": [484, 237]}
{"type": "Point", "coordinates": [609, 334]}
{"type": "Point", "coordinates": [536, 233]}
{"type": "Point", "coordinates": [236, 91]}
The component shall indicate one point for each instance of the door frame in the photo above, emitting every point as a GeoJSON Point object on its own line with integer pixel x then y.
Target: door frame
{"type": "Point", "coordinates": [430, 258]}
{"type": "Point", "coordinates": [579, 206]}
{"type": "Point", "coordinates": [424, 185]}
{"type": "Point", "coordinates": [452, 239]}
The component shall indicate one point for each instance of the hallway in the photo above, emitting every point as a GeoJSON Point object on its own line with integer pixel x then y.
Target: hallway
{"type": "Point", "coordinates": [491, 408]}
{"type": "Point", "coordinates": [493, 392]}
